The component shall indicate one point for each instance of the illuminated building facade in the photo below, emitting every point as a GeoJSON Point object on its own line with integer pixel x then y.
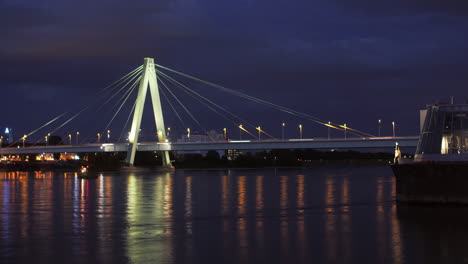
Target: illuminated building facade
{"type": "Point", "coordinates": [8, 135]}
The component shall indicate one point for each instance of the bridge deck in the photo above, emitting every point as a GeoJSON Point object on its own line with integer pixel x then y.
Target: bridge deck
{"type": "Point", "coordinates": [377, 142]}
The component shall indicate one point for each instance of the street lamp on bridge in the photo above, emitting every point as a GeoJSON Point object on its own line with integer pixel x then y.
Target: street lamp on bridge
{"type": "Point", "coordinates": [240, 131]}
{"type": "Point", "coordinates": [70, 138]}
{"type": "Point", "coordinates": [225, 133]}
{"type": "Point", "coordinates": [380, 125]}
{"type": "Point", "coordinates": [282, 130]}
{"type": "Point", "coordinates": [345, 130]}
{"type": "Point", "coordinates": [1, 141]}
{"type": "Point", "coordinates": [99, 137]}
{"type": "Point", "coordinates": [77, 135]}
{"type": "Point", "coordinates": [329, 124]}
{"type": "Point", "coordinates": [24, 138]}
{"type": "Point", "coordinates": [393, 126]}
{"type": "Point", "coordinates": [259, 131]}
{"type": "Point", "coordinates": [108, 135]}
{"type": "Point", "coordinates": [300, 131]}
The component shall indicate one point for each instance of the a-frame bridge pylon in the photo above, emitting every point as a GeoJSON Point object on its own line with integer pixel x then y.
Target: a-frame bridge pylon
{"type": "Point", "coordinates": [148, 78]}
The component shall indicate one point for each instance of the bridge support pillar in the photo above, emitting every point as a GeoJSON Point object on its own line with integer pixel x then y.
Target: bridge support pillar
{"type": "Point", "coordinates": [148, 79]}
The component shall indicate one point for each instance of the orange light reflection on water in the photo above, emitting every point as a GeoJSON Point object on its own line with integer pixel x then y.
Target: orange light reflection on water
{"type": "Point", "coordinates": [188, 204]}
{"type": "Point", "coordinates": [301, 232]}
{"type": "Point", "coordinates": [242, 218]}
{"type": "Point", "coordinates": [345, 217]}
{"type": "Point", "coordinates": [330, 219]}
{"type": "Point", "coordinates": [259, 230]}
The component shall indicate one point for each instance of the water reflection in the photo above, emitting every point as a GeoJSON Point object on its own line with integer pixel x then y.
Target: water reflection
{"type": "Point", "coordinates": [380, 218]}
{"type": "Point", "coordinates": [241, 195]}
{"type": "Point", "coordinates": [225, 195]}
{"type": "Point", "coordinates": [283, 227]}
{"type": "Point", "coordinates": [301, 231]}
{"type": "Point", "coordinates": [226, 216]}
{"type": "Point", "coordinates": [150, 212]}
{"type": "Point", "coordinates": [188, 204]}
{"type": "Point", "coordinates": [345, 218]}
{"type": "Point", "coordinates": [396, 240]}
{"type": "Point", "coordinates": [259, 194]}
{"type": "Point", "coordinates": [168, 206]}
{"type": "Point", "coordinates": [330, 220]}
{"type": "Point", "coordinates": [243, 242]}
{"type": "Point", "coordinates": [259, 204]}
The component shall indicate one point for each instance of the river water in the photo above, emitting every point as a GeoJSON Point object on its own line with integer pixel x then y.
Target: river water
{"type": "Point", "coordinates": [321, 215]}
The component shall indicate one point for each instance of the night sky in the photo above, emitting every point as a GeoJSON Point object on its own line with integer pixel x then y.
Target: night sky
{"type": "Point", "coordinates": [349, 62]}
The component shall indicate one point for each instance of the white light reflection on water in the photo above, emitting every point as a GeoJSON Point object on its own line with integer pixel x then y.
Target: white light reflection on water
{"type": "Point", "coordinates": [6, 211]}
{"type": "Point", "coordinates": [149, 212]}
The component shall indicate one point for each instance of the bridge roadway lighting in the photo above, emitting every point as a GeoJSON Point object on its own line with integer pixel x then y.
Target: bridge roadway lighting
{"type": "Point", "coordinates": [393, 126]}
{"type": "Point", "coordinates": [282, 130]}
{"type": "Point", "coordinates": [300, 131]}
{"type": "Point", "coordinates": [225, 133]}
{"type": "Point", "coordinates": [329, 130]}
{"type": "Point", "coordinates": [24, 138]}
{"type": "Point", "coordinates": [168, 131]}
{"type": "Point", "coordinates": [188, 132]}
{"type": "Point", "coordinates": [108, 135]}
{"type": "Point", "coordinates": [259, 131]}
{"type": "Point", "coordinates": [70, 138]}
{"type": "Point", "coordinates": [1, 141]}
{"type": "Point", "coordinates": [380, 125]}
{"type": "Point", "coordinates": [77, 135]}
{"type": "Point", "coordinates": [99, 137]}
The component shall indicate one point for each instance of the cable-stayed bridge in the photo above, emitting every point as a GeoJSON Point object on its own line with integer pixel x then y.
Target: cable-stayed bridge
{"type": "Point", "coordinates": [367, 143]}
{"type": "Point", "coordinates": [157, 79]}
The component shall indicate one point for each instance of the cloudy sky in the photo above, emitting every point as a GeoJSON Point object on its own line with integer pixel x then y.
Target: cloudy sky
{"type": "Point", "coordinates": [349, 62]}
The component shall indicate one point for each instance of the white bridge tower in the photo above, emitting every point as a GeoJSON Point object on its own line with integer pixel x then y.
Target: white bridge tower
{"type": "Point", "coordinates": [148, 78]}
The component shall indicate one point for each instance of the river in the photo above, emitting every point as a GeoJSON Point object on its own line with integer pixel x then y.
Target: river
{"type": "Point", "coordinates": [319, 215]}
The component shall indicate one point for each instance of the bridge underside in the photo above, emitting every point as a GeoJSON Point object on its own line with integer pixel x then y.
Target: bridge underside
{"type": "Point", "coordinates": [234, 145]}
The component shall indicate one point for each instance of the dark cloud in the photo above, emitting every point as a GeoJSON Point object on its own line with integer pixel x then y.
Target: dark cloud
{"type": "Point", "coordinates": [350, 52]}
{"type": "Point", "coordinates": [451, 7]}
